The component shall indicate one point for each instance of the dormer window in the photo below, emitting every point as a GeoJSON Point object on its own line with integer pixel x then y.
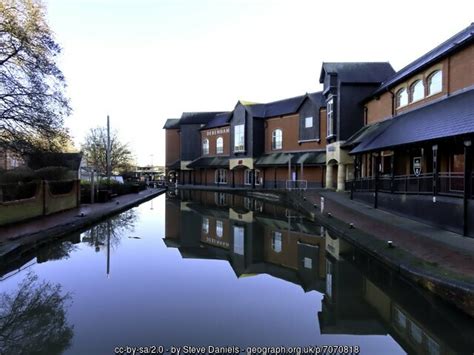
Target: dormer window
{"type": "Point", "coordinates": [402, 97]}
{"type": "Point", "coordinates": [205, 147]}
{"type": "Point", "coordinates": [276, 241]}
{"type": "Point", "coordinates": [308, 122]}
{"type": "Point", "coordinates": [417, 91]}
{"type": "Point", "coordinates": [435, 82]}
{"type": "Point", "coordinates": [220, 145]}
{"type": "Point", "coordinates": [277, 139]}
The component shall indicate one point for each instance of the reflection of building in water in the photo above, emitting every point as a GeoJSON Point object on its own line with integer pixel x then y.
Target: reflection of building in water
{"type": "Point", "coordinates": [253, 236]}
{"type": "Point", "coordinates": [364, 297]}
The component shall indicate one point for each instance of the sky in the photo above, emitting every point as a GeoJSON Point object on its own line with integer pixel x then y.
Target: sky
{"type": "Point", "coordinates": [143, 61]}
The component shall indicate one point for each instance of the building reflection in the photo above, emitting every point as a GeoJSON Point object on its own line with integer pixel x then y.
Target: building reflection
{"type": "Point", "coordinates": [361, 296]}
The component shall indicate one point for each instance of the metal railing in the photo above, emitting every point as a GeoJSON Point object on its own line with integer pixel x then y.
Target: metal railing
{"type": "Point", "coordinates": [451, 184]}
{"type": "Point", "coordinates": [296, 184]}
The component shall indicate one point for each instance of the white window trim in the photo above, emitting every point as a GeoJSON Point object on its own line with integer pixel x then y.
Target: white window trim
{"type": "Point", "coordinates": [277, 241]}
{"type": "Point", "coordinates": [240, 148]}
{"type": "Point", "coordinates": [330, 118]}
{"type": "Point", "coordinates": [274, 141]}
{"type": "Point", "coordinates": [428, 82]}
{"type": "Point", "coordinates": [397, 101]}
{"type": "Point", "coordinates": [221, 150]}
{"type": "Point", "coordinates": [205, 225]}
{"type": "Point", "coordinates": [411, 99]}
{"type": "Point", "coordinates": [219, 228]}
{"type": "Point", "coordinates": [306, 122]}
{"type": "Point", "coordinates": [205, 147]}
{"type": "Point", "coordinates": [216, 176]}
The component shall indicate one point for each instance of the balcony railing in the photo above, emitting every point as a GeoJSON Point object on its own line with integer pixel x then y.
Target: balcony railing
{"type": "Point", "coordinates": [451, 184]}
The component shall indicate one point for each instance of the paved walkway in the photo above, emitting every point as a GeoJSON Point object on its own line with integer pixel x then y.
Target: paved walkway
{"type": "Point", "coordinates": [91, 212]}
{"type": "Point", "coordinates": [429, 243]}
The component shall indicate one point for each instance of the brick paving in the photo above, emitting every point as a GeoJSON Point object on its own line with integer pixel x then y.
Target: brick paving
{"type": "Point", "coordinates": [429, 243]}
{"type": "Point", "coordinates": [43, 224]}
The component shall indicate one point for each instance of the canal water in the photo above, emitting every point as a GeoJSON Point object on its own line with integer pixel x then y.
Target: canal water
{"type": "Point", "coordinates": [212, 269]}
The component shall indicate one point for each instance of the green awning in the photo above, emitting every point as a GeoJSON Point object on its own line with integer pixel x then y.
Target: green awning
{"type": "Point", "coordinates": [312, 158]}
{"type": "Point", "coordinates": [281, 159]}
{"type": "Point", "coordinates": [209, 162]}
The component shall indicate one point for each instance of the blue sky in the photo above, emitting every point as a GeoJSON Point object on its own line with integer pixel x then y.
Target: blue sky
{"type": "Point", "coordinates": [143, 61]}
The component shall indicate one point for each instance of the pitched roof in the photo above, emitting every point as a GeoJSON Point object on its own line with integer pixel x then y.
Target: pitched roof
{"type": "Point", "coordinates": [358, 72]}
{"type": "Point", "coordinates": [281, 159]}
{"type": "Point", "coordinates": [444, 49]}
{"type": "Point", "coordinates": [171, 123]}
{"type": "Point", "coordinates": [450, 117]}
{"type": "Point", "coordinates": [197, 117]}
{"type": "Point", "coordinates": [221, 119]}
{"type": "Point", "coordinates": [283, 107]}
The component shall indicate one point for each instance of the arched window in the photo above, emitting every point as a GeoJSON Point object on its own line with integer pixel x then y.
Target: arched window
{"type": "Point", "coordinates": [219, 145]}
{"type": "Point", "coordinates": [402, 97]}
{"type": "Point", "coordinates": [205, 146]}
{"type": "Point", "coordinates": [277, 139]}
{"type": "Point", "coordinates": [417, 91]}
{"type": "Point", "coordinates": [435, 82]}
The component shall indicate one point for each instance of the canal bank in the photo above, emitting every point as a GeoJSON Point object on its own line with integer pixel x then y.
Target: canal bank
{"type": "Point", "coordinates": [17, 238]}
{"type": "Point", "coordinates": [437, 260]}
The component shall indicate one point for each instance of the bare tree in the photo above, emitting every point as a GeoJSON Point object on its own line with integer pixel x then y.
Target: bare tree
{"type": "Point", "coordinates": [32, 101]}
{"type": "Point", "coordinates": [95, 151]}
{"type": "Point", "coordinates": [33, 319]}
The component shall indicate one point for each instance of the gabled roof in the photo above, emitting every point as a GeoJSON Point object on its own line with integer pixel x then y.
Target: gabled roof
{"type": "Point", "coordinates": [221, 119]}
{"type": "Point", "coordinates": [197, 117]}
{"type": "Point", "coordinates": [450, 117]}
{"type": "Point", "coordinates": [444, 49]}
{"type": "Point", "coordinates": [358, 72]}
{"type": "Point", "coordinates": [283, 107]}
{"type": "Point", "coordinates": [171, 123]}
{"type": "Point", "coordinates": [317, 98]}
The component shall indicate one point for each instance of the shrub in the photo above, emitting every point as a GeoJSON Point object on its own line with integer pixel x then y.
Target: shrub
{"type": "Point", "coordinates": [21, 174]}
{"type": "Point", "coordinates": [19, 191]}
{"type": "Point", "coordinates": [54, 173]}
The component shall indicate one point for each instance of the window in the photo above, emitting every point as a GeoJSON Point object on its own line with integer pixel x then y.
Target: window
{"type": "Point", "coordinates": [308, 122]}
{"type": "Point", "coordinates": [402, 97]}
{"type": "Point", "coordinates": [435, 82]}
{"type": "Point", "coordinates": [248, 177]}
{"type": "Point", "coordinates": [417, 91]}
{"type": "Point", "coordinates": [221, 176]}
{"type": "Point", "coordinates": [205, 147]}
{"type": "Point", "coordinates": [276, 242]}
{"type": "Point", "coordinates": [308, 263]}
{"type": "Point", "coordinates": [277, 138]}
{"type": "Point", "coordinates": [205, 225]}
{"type": "Point", "coordinates": [220, 145]}
{"type": "Point", "coordinates": [219, 228]}
{"type": "Point", "coordinates": [239, 240]}
{"type": "Point", "coordinates": [220, 199]}
{"type": "Point", "coordinates": [239, 138]}
{"type": "Point", "coordinates": [330, 117]}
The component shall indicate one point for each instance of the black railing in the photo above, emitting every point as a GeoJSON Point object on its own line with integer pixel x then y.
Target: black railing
{"type": "Point", "coordinates": [451, 184]}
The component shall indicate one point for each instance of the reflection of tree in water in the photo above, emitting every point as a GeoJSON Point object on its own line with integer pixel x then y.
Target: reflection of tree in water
{"type": "Point", "coordinates": [115, 227]}
{"type": "Point", "coordinates": [33, 319]}
{"type": "Point", "coordinates": [59, 249]}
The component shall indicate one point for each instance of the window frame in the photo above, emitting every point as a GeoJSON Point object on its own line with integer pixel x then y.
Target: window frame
{"type": "Point", "coordinates": [239, 132]}
{"type": "Point", "coordinates": [277, 237]}
{"type": "Point", "coordinates": [277, 139]}
{"type": "Point", "coordinates": [205, 146]}
{"type": "Point", "coordinates": [306, 122]}
{"type": "Point", "coordinates": [205, 225]}
{"type": "Point", "coordinates": [219, 228]}
{"type": "Point", "coordinates": [220, 176]}
{"type": "Point", "coordinates": [398, 103]}
{"type": "Point", "coordinates": [330, 117]}
{"type": "Point", "coordinates": [429, 82]}
{"type": "Point", "coordinates": [220, 147]}
{"type": "Point", "coordinates": [413, 85]}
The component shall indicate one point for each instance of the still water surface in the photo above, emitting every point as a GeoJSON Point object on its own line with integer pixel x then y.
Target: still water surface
{"type": "Point", "coordinates": [215, 269]}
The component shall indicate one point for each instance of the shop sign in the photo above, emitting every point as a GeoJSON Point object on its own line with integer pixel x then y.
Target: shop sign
{"type": "Point", "coordinates": [417, 166]}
